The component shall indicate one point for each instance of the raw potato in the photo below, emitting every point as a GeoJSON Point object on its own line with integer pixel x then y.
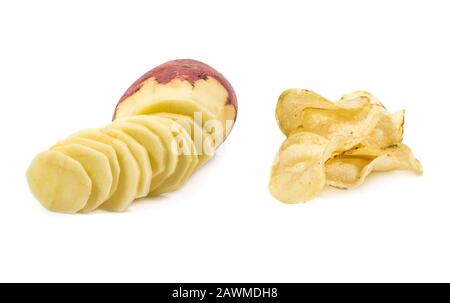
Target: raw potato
{"type": "Point", "coordinates": [59, 182]}
{"type": "Point", "coordinates": [352, 168]}
{"type": "Point", "coordinates": [187, 160]}
{"type": "Point", "coordinates": [107, 150]}
{"type": "Point", "coordinates": [298, 173]}
{"type": "Point", "coordinates": [141, 156]}
{"type": "Point", "coordinates": [96, 166]}
{"type": "Point", "coordinates": [150, 142]}
{"type": "Point", "coordinates": [197, 135]}
{"type": "Point", "coordinates": [164, 133]}
{"type": "Point", "coordinates": [129, 171]}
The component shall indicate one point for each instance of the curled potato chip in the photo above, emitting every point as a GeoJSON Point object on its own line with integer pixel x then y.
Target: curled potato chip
{"type": "Point", "coordinates": [351, 168]}
{"type": "Point", "coordinates": [346, 127]}
{"type": "Point", "coordinates": [291, 104]}
{"type": "Point", "coordinates": [389, 129]}
{"type": "Point", "coordinates": [298, 173]}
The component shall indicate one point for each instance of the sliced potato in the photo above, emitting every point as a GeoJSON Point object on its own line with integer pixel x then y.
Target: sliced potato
{"type": "Point", "coordinates": [187, 160]}
{"type": "Point", "coordinates": [96, 166]}
{"type": "Point", "coordinates": [163, 132]}
{"type": "Point", "coordinates": [198, 136]}
{"type": "Point", "coordinates": [142, 158]}
{"type": "Point", "coordinates": [298, 173]}
{"type": "Point", "coordinates": [129, 170]}
{"type": "Point", "coordinates": [59, 182]}
{"type": "Point", "coordinates": [352, 168]}
{"type": "Point", "coordinates": [151, 142]}
{"type": "Point", "coordinates": [107, 150]}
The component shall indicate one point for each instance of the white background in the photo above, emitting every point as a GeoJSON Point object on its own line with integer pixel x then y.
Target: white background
{"type": "Point", "coordinates": [63, 66]}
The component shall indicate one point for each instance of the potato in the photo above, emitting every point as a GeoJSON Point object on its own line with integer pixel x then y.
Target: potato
{"type": "Point", "coordinates": [96, 166]}
{"type": "Point", "coordinates": [202, 89]}
{"type": "Point", "coordinates": [150, 142]}
{"type": "Point", "coordinates": [352, 168]}
{"type": "Point", "coordinates": [59, 182]}
{"type": "Point", "coordinates": [165, 135]}
{"type": "Point", "coordinates": [141, 156]}
{"type": "Point", "coordinates": [187, 160]}
{"type": "Point", "coordinates": [197, 135]}
{"type": "Point", "coordinates": [298, 173]}
{"type": "Point", "coordinates": [129, 170]}
{"type": "Point", "coordinates": [107, 150]}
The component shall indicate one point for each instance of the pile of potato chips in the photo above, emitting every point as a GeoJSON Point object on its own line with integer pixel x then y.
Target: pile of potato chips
{"type": "Point", "coordinates": [335, 143]}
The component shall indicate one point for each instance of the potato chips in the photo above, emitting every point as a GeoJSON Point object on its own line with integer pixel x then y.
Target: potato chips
{"type": "Point", "coordinates": [335, 143]}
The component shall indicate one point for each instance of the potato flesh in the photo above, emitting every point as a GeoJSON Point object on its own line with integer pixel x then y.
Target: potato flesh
{"type": "Point", "coordinates": [59, 182]}
{"type": "Point", "coordinates": [187, 160]}
{"type": "Point", "coordinates": [198, 136]}
{"type": "Point", "coordinates": [96, 166]}
{"type": "Point", "coordinates": [129, 171]}
{"type": "Point", "coordinates": [141, 156]}
{"type": "Point", "coordinates": [164, 133]}
{"type": "Point", "coordinates": [107, 150]}
{"type": "Point", "coordinates": [150, 142]}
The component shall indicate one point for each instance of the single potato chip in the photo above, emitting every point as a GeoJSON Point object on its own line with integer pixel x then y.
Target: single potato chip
{"type": "Point", "coordinates": [351, 168]}
{"type": "Point", "coordinates": [389, 129]}
{"type": "Point", "coordinates": [347, 128]}
{"type": "Point", "coordinates": [298, 173]}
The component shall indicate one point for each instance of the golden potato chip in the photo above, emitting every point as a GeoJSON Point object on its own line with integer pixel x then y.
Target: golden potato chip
{"type": "Point", "coordinates": [351, 168]}
{"type": "Point", "coordinates": [389, 129]}
{"type": "Point", "coordinates": [291, 104]}
{"type": "Point", "coordinates": [346, 127]}
{"type": "Point", "coordinates": [298, 173]}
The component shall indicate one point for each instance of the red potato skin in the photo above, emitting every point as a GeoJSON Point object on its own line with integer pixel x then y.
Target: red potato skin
{"type": "Point", "coordinates": [183, 69]}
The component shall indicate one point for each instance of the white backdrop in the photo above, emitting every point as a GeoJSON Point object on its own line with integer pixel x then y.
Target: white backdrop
{"type": "Point", "coordinates": [63, 66]}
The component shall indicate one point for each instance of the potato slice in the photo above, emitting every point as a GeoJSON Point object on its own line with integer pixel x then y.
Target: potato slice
{"type": "Point", "coordinates": [97, 167]}
{"type": "Point", "coordinates": [59, 182]}
{"type": "Point", "coordinates": [166, 136]}
{"type": "Point", "coordinates": [142, 158]}
{"type": "Point", "coordinates": [298, 173]}
{"type": "Point", "coordinates": [187, 160]}
{"type": "Point", "coordinates": [150, 142]}
{"type": "Point", "coordinates": [352, 168]}
{"type": "Point", "coordinates": [129, 170]}
{"type": "Point", "coordinates": [197, 135]}
{"type": "Point", "coordinates": [107, 150]}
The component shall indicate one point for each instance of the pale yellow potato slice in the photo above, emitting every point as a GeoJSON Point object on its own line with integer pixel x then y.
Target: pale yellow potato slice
{"type": "Point", "coordinates": [150, 141]}
{"type": "Point", "coordinates": [197, 134]}
{"type": "Point", "coordinates": [129, 171]}
{"type": "Point", "coordinates": [96, 166]}
{"type": "Point", "coordinates": [141, 156]}
{"type": "Point", "coordinates": [166, 136]}
{"type": "Point", "coordinates": [107, 150]}
{"type": "Point", "coordinates": [59, 182]}
{"type": "Point", "coordinates": [187, 160]}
